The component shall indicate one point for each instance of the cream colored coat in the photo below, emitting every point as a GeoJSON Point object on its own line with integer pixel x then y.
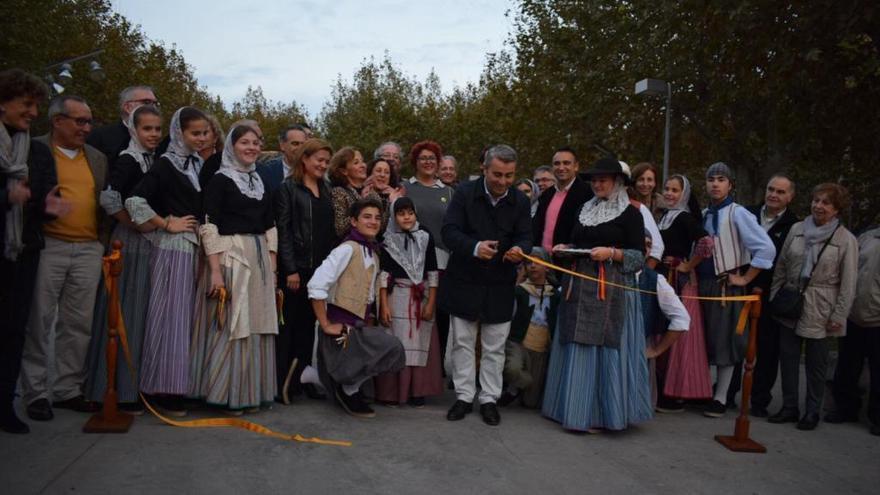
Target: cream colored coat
{"type": "Point", "coordinates": [832, 289]}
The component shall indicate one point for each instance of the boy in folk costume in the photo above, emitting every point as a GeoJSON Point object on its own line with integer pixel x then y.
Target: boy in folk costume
{"type": "Point", "coordinates": [407, 299]}
{"type": "Point", "coordinates": [342, 290]}
{"type": "Point", "coordinates": [531, 330]}
{"type": "Point", "coordinates": [741, 250]}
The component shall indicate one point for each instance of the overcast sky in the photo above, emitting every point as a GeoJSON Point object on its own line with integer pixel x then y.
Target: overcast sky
{"type": "Point", "coordinates": [296, 49]}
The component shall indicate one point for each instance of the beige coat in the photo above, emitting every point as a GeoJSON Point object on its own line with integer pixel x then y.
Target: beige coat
{"type": "Point", "coordinates": [832, 289]}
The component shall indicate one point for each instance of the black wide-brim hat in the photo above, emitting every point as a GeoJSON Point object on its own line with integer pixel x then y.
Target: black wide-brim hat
{"type": "Point", "coordinates": [605, 166]}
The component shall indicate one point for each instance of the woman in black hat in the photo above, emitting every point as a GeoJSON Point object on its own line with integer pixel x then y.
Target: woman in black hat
{"type": "Point", "coordinates": [598, 374]}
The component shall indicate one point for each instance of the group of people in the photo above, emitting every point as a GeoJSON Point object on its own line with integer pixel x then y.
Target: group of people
{"type": "Point", "coordinates": [320, 273]}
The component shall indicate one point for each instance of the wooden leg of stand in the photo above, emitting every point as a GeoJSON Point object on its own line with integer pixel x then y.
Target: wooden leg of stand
{"type": "Point", "coordinates": [109, 419]}
{"type": "Point", "coordinates": [740, 441]}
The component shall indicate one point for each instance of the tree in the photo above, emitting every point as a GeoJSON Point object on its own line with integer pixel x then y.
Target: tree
{"type": "Point", "coordinates": [272, 116]}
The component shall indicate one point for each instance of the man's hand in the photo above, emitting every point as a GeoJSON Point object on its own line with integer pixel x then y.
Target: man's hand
{"type": "Point", "coordinates": [514, 254]}
{"type": "Point", "coordinates": [487, 250]}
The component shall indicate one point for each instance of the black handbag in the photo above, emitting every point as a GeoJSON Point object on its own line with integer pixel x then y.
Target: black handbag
{"type": "Point", "coordinates": [789, 303]}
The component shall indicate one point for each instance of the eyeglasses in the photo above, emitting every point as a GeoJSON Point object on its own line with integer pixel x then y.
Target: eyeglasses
{"type": "Point", "coordinates": [79, 121]}
{"type": "Point", "coordinates": [145, 101]}
{"type": "Point", "coordinates": [390, 156]}
{"type": "Point", "coordinates": [427, 158]}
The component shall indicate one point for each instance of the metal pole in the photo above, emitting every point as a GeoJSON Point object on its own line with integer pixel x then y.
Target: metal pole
{"type": "Point", "coordinates": [668, 129]}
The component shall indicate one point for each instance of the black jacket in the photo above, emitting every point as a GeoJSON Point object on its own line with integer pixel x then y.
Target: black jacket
{"type": "Point", "coordinates": [111, 139]}
{"type": "Point", "coordinates": [579, 193]}
{"type": "Point", "coordinates": [41, 179]}
{"type": "Point", "coordinates": [298, 249]}
{"type": "Point", "coordinates": [472, 288]}
{"type": "Point", "coordinates": [778, 232]}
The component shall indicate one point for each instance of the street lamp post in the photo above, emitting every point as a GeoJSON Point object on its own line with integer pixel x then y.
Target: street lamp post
{"type": "Point", "coordinates": [65, 75]}
{"type": "Point", "coordinates": [657, 87]}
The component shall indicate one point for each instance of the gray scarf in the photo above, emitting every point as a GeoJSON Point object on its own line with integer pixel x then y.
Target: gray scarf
{"type": "Point", "coordinates": [814, 237]}
{"type": "Point", "coordinates": [13, 164]}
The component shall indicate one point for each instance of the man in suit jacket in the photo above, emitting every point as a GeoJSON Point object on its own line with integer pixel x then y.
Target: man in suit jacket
{"type": "Point", "coordinates": [559, 205]}
{"type": "Point", "coordinates": [69, 268]}
{"type": "Point", "coordinates": [487, 228]}
{"type": "Point", "coordinates": [275, 170]}
{"type": "Point", "coordinates": [112, 139]}
{"type": "Point", "coordinates": [776, 218]}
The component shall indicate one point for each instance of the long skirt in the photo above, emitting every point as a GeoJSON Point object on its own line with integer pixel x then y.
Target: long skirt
{"type": "Point", "coordinates": [686, 366]}
{"type": "Point", "coordinates": [598, 386]}
{"type": "Point", "coordinates": [239, 373]}
{"type": "Point", "coordinates": [413, 381]}
{"type": "Point", "coordinates": [134, 294]}
{"type": "Point", "coordinates": [723, 346]}
{"type": "Point", "coordinates": [165, 356]}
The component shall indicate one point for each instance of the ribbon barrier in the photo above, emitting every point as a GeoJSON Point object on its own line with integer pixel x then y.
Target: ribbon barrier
{"type": "Point", "coordinates": [111, 265]}
{"type": "Point", "coordinates": [739, 441]}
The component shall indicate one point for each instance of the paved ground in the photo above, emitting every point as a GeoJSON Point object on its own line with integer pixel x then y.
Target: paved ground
{"type": "Point", "coordinates": [417, 451]}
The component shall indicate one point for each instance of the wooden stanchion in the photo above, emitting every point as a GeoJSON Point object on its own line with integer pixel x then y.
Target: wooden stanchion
{"type": "Point", "coordinates": [740, 441]}
{"type": "Point", "coordinates": [109, 419]}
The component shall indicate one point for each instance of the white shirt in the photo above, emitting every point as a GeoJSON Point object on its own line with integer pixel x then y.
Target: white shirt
{"type": "Point", "coordinates": [657, 246]}
{"type": "Point", "coordinates": [436, 185]}
{"type": "Point", "coordinates": [671, 306]}
{"type": "Point", "coordinates": [767, 221]}
{"type": "Point", "coordinates": [69, 153]}
{"type": "Point", "coordinates": [285, 166]}
{"type": "Point", "coordinates": [331, 269]}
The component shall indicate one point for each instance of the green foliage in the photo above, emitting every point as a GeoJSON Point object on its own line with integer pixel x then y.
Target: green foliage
{"type": "Point", "coordinates": [272, 116]}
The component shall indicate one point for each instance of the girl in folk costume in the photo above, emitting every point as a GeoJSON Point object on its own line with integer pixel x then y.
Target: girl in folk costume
{"type": "Point", "coordinates": [407, 300]}
{"type": "Point", "coordinates": [145, 129]}
{"type": "Point", "coordinates": [342, 290]}
{"type": "Point", "coordinates": [598, 373]}
{"type": "Point", "coordinates": [741, 250]}
{"type": "Point", "coordinates": [168, 200]}
{"type": "Point", "coordinates": [684, 372]}
{"type": "Point", "coordinates": [235, 356]}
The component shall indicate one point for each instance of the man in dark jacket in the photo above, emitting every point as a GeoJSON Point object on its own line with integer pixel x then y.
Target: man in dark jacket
{"type": "Point", "coordinates": [777, 219]}
{"type": "Point", "coordinates": [112, 139]}
{"type": "Point", "coordinates": [487, 228]}
{"type": "Point", "coordinates": [275, 170]}
{"type": "Point", "coordinates": [559, 206]}
{"type": "Point", "coordinates": [29, 198]}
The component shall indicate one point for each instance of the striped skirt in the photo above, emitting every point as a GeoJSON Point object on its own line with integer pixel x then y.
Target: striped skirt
{"type": "Point", "coordinates": [165, 356]}
{"type": "Point", "coordinates": [601, 387]}
{"type": "Point", "coordinates": [238, 373]}
{"type": "Point", "coordinates": [134, 294]}
{"type": "Point", "coordinates": [685, 365]}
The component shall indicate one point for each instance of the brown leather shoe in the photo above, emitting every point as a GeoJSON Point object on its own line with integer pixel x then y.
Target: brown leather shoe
{"type": "Point", "coordinates": [78, 404]}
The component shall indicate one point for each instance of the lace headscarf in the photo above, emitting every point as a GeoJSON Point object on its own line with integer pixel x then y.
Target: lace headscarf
{"type": "Point", "coordinates": [243, 174]}
{"type": "Point", "coordinates": [136, 149]}
{"type": "Point", "coordinates": [597, 210]}
{"type": "Point", "coordinates": [679, 207]}
{"type": "Point", "coordinates": [407, 247]}
{"type": "Point", "coordinates": [13, 164]}
{"type": "Point", "coordinates": [187, 161]}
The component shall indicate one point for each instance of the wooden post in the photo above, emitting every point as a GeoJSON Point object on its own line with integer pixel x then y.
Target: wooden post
{"type": "Point", "coordinates": [109, 419]}
{"type": "Point", "coordinates": [740, 441]}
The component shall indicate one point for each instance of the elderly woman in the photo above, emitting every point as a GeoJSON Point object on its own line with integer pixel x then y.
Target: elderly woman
{"type": "Point", "coordinates": [819, 261]}
{"type": "Point", "coordinates": [598, 372]}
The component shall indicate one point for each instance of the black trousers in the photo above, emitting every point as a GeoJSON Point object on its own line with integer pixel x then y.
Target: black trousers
{"type": "Point", "coordinates": [296, 338]}
{"type": "Point", "coordinates": [859, 344]}
{"type": "Point", "coordinates": [17, 280]}
{"type": "Point", "coordinates": [767, 362]}
{"type": "Point", "coordinates": [816, 361]}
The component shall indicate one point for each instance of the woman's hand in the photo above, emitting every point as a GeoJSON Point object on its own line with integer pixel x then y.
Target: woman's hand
{"type": "Point", "coordinates": [293, 282]}
{"type": "Point", "coordinates": [181, 224]}
{"type": "Point", "coordinates": [216, 284]}
{"type": "Point", "coordinates": [385, 315]}
{"type": "Point", "coordinates": [684, 267]}
{"type": "Point", "coordinates": [601, 253]}
{"type": "Point", "coordinates": [651, 352]}
{"type": "Point", "coordinates": [395, 193]}
{"type": "Point", "coordinates": [833, 327]}
{"type": "Point", "coordinates": [20, 193]}
{"type": "Point", "coordinates": [428, 312]}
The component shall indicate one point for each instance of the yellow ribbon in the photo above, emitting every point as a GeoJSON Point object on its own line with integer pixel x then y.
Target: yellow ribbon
{"type": "Point", "coordinates": [196, 423]}
{"type": "Point", "coordinates": [743, 315]}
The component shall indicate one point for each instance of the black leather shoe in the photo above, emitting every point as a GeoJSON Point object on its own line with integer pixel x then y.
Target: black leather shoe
{"type": "Point", "coordinates": [312, 392]}
{"type": "Point", "coordinates": [808, 422]}
{"type": "Point", "coordinates": [784, 416]}
{"type": "Point", "coordinates": [875, 430]}
{"type": "Point", "coordinates": [353, 404]}
{"type": "Point", "coordinates": [490, 414]}
{"type": "Point", "coordinates": [40, 410]}
{"type": "Point", "coordinates": [759, 412]}
{"type": "Point", "coordinates": [10, 423]}
{"type": "Point", "coordinates": [78, 404]}
{"type": "Point", "coordinates": [837, 417]}
{"type": "Point", "coordinates": [459, 410]}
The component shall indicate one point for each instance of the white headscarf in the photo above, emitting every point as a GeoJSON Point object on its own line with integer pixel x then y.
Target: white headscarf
{"type": "Point", "coordinates": [185, 160]}
{"type": "Point", "coordinates": [13, 164]}
{"type": "Point", "coordinates": [598, 210]}
{"type": "Point", "coordinates": [679, 207]}
{"type": "Point", "coordinates": [243, 174]}
{"type": "Point", "coordinates": [407, 248]}
{"type": "Point", "coordinates": [141, 155]}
